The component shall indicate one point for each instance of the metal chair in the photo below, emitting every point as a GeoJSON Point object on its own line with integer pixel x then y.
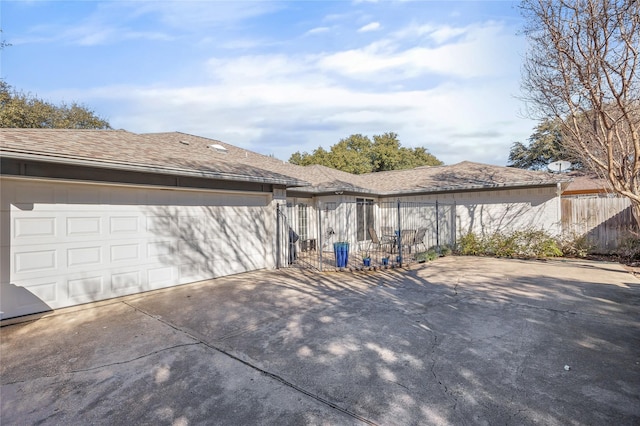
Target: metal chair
{"type": "Point", "coordinates": [407, 237]}
{"type": "Point", "coordinates": [375, 241]}
{"type": "Point", "coordinates": [418, 239]}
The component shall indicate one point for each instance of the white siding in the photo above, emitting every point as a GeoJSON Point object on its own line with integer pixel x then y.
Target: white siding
{"type": "Point", "coordinates": [486, 212]}
{"type": "Point", "coordinates": [67, 243]}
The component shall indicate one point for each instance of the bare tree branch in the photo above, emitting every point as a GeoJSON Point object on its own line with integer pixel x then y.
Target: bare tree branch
{"type": "Point", "coordinates": [582, 68]}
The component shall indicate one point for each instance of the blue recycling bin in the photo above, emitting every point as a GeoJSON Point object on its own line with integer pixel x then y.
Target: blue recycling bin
{"type": "Point", "coordinates": [341, 251]}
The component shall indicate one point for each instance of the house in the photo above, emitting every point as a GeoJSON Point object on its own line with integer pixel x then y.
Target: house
{"type": "Point", "coordinates": [88, 215]}
{"type": "Point", "coordinates": [587, 185]}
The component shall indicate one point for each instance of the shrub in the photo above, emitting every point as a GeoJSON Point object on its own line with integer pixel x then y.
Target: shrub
{"type": "Point", "coordinates": [629, 248]}
{"type": "Point", "coordinates": [425, 256]}
{"type": "Point", "coordinates": [421, 257]}
{"type": "Point", "coordinates": [575, 245]}
{"type": "Point", "coordinates": [445, 250]}
{"type": "Point", "coordinates": [520, 244]}
{"type": "Point", "coordinates": [470, 245]}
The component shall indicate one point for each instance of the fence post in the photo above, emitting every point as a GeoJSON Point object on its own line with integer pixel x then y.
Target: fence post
{"type": "Point", "coordinates": [278, 237]}
{"type": "Point", "coordinates": [454, 231]}
{"type": "Point", "coordinates": [399, 235]}
{"type": "Point", "coordinates": [320, 235]}
{"type": "Point", "coordinates": [437, 227]}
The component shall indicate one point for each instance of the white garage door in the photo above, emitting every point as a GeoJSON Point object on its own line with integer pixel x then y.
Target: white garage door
{"type": "Point", "coordinates": [74, 243]}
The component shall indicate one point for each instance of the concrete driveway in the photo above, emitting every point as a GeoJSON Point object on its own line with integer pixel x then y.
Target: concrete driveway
{"type": "Point", "coordinates": [461, 340]}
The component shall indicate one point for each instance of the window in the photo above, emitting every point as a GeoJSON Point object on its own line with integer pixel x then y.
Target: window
{"type": "Point", "coordinates": [303, 221]}
{"type": "Point", "coordinates": [364, 218]}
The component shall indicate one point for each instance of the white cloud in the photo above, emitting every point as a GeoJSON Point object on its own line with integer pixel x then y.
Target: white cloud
{"type": "Point", "coordinates": [483, 51]}
{"type": "Point", "coordinates": [114, 21]}
{"type": "Point", "coordinates": [318, 30]}
{"type": "Point", "coordinates": [448, 88]}
{"type": "Point", "coordinates": [289, 103]}
{"type": "Point", "coordinates": [373, 26]}
{"type": "Point", "coordinates": [191, 15]}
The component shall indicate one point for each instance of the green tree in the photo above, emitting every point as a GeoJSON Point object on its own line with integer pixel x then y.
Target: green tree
{"type": "Point", "coordinates": [358, 154]}
{"type": "Point", "coordinates": [20, 110]}
{"type": "Point", "coordinates": [352, 155]}
{"type": "Point", "coordinates": [545, 146]}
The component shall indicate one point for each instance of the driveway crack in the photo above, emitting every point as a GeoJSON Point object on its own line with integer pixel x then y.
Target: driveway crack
{"type": "Point", "coordinates": [111, 364]}
{"type": "Point", "coordinates": [255, 367]}
{"type": "Point", "coordinates": [434, 362]}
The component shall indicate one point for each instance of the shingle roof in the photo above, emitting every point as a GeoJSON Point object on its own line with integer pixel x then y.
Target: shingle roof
{"type": "Point", "coordinates": [322, 179]}
{"type": "Point", "coordinates": [124, 150]}
{"type": "Point", "coordinates": [586, 184]}
{"type": "Point", "coordinates": [178, 153]}
{"type": "Point", "coordinates": [465, 175]}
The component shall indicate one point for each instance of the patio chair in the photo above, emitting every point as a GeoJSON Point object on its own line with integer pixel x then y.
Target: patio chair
{"type": "Point", "coordinates": [418, 239]}
{"type": "Point", "coordinates": [387, 230]}
{"type": "Point", "coordinates": [389, 237]}
{"type": "Point", "coordinates": [407, 237]}
{"type": "Point", "coordinates": [375, 241]}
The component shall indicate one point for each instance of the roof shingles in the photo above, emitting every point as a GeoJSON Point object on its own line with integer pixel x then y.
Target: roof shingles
{"type": "Point", "coordinates": [184, 153]}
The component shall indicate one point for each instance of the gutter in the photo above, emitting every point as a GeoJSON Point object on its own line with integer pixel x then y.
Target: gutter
{"type": "Point", "coordinates": [133, 167]}
{"type": "Point", "coordinates": [427, 189]}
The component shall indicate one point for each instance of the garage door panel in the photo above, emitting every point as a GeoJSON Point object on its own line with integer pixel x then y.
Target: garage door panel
{"type": "Point", "coordinates": [84, 226]}
{"type": "Point", "coordinates": [39, 260]}
{"type": "Point", "coordinates": [87, 288]}
{"type": "Point", "coordinates": [47, 289]}
{"type": "Point", "coordinates": [74, 243]}
{"type": "Point", "coordinates": [158, 251]}
{"type": "Point", "coordinates": [160, 277]}
{"type": "Point", "coordinates": [124, 225]}
{"type": "Point", "coordinates": [126, 282]}
{"type": "Point", "coordinates": [191, 272]}
{"type": "Point", "coordinates": [34, 227]}
{"type": "Point", "coordinates": [83, 257]}
{"type": "Point", "coordinates": [125, 252]}
{"type": "Point", "coordinates": [160, 225]}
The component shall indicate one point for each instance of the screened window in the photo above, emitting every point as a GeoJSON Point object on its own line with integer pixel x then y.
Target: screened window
{"type": "Point", "coordinates": [364, 218]}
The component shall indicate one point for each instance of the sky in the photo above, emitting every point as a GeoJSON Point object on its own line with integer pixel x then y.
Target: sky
{"type": "Point", "coordinates": [278, 77]}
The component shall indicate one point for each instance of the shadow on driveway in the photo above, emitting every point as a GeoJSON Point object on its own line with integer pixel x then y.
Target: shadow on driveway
{"type": "Point", "coordinates": [461, 340]}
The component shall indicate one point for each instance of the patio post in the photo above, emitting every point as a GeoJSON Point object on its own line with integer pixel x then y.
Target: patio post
{"type": "Point", "coordinates": [437, 227]}
{"type": "Point", "coordinates": [399, 235]}
{"type": "Point", "coordinates": [320, 234]}
{"type": "Point", "coordinates": [278, 237]}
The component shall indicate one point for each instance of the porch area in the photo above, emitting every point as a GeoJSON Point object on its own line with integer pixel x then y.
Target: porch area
{"type": "Point", "coordinates": [362, 234]}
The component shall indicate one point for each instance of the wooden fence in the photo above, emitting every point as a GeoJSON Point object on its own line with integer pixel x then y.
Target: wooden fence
{"type": "Point", "coordinates": [605, 221]}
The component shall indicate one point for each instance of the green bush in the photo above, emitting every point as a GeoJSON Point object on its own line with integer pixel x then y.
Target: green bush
{"type": "Point", "coordinates": [470, 245]}
{"type": "Point", "coordinates": [574, 245]}
{"type": "Point", "coordinates": [425, 256]}
{"type": "Point", "coordinates": [629, 248]}
{"type": "Point", "coordinates": [520, 244]}
{"type": "Point", "coordinates": [445, 250]}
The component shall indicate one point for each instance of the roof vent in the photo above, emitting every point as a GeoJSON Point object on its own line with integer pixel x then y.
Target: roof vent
{"type": "Point", "coordinates": [184, 142]}
{"type": "Point", "coordinates": [219, 148]}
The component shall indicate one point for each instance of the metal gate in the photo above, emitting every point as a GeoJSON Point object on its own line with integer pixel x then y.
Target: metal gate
{"type": "Point", "coordinates": [386, 233]}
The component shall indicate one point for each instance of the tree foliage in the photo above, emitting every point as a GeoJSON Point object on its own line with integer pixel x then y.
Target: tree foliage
{"type": "Point", "coordinates": [358, 154]}
{"type": "Point", "coordinates": [583, 68]}
{"type": "Point", "coordinates": [20, 110]}
{"type": "Point", "coordinates": [545, 146]}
